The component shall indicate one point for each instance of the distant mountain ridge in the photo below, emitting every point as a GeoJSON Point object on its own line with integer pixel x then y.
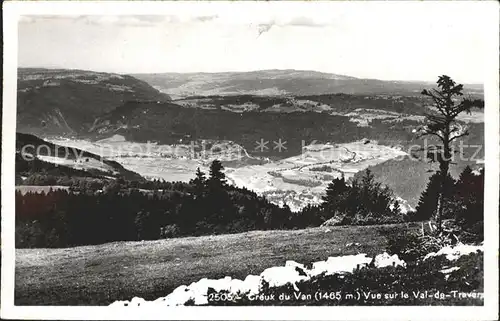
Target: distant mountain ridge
{"type": "Point", "coordinates": [255, 110]}
{"type": "Point", "coordinates": [56, 101]}
{"type": "Point", "coordinates": [279, 82]}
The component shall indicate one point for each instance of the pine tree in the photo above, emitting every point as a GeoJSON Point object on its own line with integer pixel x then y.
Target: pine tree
{"type": "Point", "coordinates": [217, 176]}
{"type": "Point", "coordinates": [334, 189]}
{"type": "Point", "coordinates": [428, 202]}
{"type": "Point", "coordinates": [469, 198]}
{"type": "Point", "coordinates": [444, 126]}
{"type": "Point", "coordinates": [199, 183]}
{"type": "Point", "coordinates": [367, 180]}
{"type": "Point", "coordinates": [396, 208]}
{"type": "Point", "coordinates": [200, 176]}
{"type": "Point", "coordinates": [334, 197]}
{"type": "Point", "coordinates": [146, 225]}
{"type": "Point", "coordinates": [465, 178]}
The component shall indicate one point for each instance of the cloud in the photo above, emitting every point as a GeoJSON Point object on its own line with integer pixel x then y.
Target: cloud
{"type": "Point", "coordinates": [45, 18]}
{"type": "Point", "coordinates": [118, 20]}
{"type": "Point", "coordinates": [205, 18]}
{"type": "Point", "coordinates": [264, 27]}
{"type": "Point", "coordinates": [306, 22]}
{"type": "Point", "coordinates": [155, 20]}
{"type": "Point", "coordinates": [296, 21]}
{"type": "Point", "coordinates": [125, 21]}
{"type": "Point", "coordinates": [91, 20]}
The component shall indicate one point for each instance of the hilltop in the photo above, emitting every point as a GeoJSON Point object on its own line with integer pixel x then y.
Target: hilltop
{"type": "Point", "coordinates": [63, 101]}
{"type": "Point", "coordinates": [278, 83]}
{"type": "Point", "coordinates": [37, 156]}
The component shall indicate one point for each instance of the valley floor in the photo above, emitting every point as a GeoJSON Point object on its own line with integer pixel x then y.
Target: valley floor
{"type": "Point", "coordinates": [102, 274]}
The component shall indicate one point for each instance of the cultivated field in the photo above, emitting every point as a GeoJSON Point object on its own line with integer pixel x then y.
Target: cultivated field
{"type": "Point", "coordinates": [101, 274]}
{"type": "Point", "coordinates": [298, 173]}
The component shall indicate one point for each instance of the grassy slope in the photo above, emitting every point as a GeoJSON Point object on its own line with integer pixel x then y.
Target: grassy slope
{"type": "Point", "coordinates": [99, 275]}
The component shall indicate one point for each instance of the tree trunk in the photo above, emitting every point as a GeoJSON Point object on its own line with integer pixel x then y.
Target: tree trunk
{"type": "Point", "coordinates": [439, 211]}
{"type": "Point", "coordinates": [444, 165]}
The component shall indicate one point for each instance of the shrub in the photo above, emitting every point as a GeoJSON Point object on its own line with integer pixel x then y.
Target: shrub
{"type": "Point", "coordinates": [363, 202]}
{"type": "Point", "coordinates": [324, 168]}
{"type": "Point", "coordinates": [411, 246]}
{"type": "Point", "coordinates": [169, 231]}
{"type": "Point", "coordinates": [407, 245]}
{"type": "Point", "coordinates": [383, 286]}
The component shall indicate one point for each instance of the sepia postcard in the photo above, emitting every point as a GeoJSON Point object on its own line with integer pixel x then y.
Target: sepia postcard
{"type": "Point", "coordinates": [250, 160]}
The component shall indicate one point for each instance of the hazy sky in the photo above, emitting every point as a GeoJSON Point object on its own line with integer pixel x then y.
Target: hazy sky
{"type": "Point", "coordinates": [399, 41]}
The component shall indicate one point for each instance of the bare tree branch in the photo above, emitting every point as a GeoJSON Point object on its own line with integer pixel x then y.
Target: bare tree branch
{"type": "Point", "coordinates": [466, 133]}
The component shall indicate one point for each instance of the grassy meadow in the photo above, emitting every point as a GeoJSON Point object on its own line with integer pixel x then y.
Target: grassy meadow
{"type": "Point", "coordinates": [102, 274]}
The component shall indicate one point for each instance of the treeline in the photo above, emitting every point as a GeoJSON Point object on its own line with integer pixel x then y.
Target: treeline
{"type": "Point", "coordinates": [82, 183]}
{"type": "Point", "coordinates": [463, 202]}
{"type": "Point", "coordinates": [94, 212]}
{"type": "Point", "coordinates": [362, 202]}
{"type": "Point", "coordinates": [121, 212]}
{"type": "Point", "coordinates": [28, 167]}
{"type": "Point", "coordinates": [366, 201]}
{"type": "Point", "coordinates": [168, 123]}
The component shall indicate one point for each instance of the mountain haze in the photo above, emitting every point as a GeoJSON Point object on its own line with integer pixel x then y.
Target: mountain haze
{"type": "Point", "coordinates": [277, 82]}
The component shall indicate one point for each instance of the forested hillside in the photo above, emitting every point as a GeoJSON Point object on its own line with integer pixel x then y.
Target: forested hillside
{"type": "Point", "coordinates": [121, 210]}
{"type": "Point", "coordinates": [48, 162]}
{"type": "Point", "coordinates": [64, 101]}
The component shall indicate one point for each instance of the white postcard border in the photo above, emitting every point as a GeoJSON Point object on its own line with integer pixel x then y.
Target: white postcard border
{"type": "Point", "coordinates": [13, 10]}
